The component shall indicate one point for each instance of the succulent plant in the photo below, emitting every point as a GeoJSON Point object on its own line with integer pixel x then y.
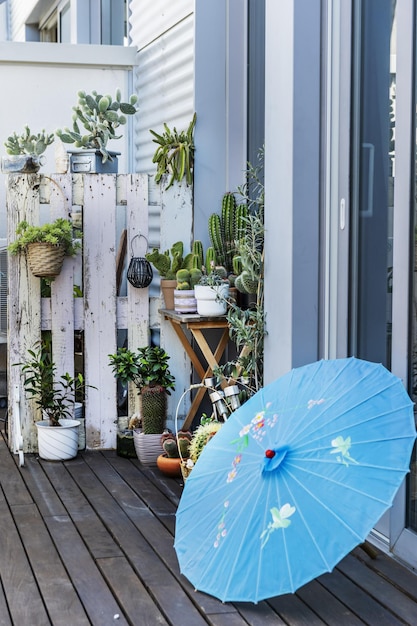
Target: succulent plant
{"type": "Point", "coordinates": [175, 153]}
{"type": "Point", "coordinates": [100, 116]}
{"type": "Point", "coordinates": [168, 263]}
{"type": "Point", "coordinates": [176, 446]}
{"type": "Point", "coordinates": [57, 233]}
{"type": "Point", "coordinates": [183, 280]}
{"type": "Point", "coordinates": [188, 279]}
{"type": "Point", "coordinates": [28, 143]}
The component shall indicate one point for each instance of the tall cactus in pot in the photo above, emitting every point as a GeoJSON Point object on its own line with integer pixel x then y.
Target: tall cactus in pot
{"type": "Point", "coordinates": [226, 229]}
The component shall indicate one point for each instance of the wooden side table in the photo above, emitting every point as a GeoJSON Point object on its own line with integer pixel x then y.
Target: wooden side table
{"type": "Point", "coordinates": [198, 325]}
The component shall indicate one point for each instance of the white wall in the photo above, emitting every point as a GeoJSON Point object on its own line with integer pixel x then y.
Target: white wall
{"type": "Point", "coordinates": [292, 184]}
{"type": "Point", "coordinates": [42, 80]}
{"type": "Point", "coordinates": [163, 32]}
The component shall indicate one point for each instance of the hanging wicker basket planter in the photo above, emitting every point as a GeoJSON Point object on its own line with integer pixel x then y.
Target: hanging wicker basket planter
{"type": "Point", "coordinates": [45, 259]}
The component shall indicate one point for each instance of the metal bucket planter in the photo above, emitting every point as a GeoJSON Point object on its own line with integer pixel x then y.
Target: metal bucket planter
{"type": "Point", "coordinates": [90, 162]}
{"type": "Point", "coordinates": [148, 447]}
{"type": "Point", "coordinates": [58, 443]}
{"type": "Point", "coordinates": [211, 301]}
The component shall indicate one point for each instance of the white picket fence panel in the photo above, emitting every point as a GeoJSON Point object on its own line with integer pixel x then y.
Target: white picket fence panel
{"type": "Point", "coordinates": [106, 201]}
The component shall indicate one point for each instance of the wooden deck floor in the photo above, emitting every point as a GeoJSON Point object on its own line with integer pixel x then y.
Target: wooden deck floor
{"type": "Point", "coordinates": [90, 541]}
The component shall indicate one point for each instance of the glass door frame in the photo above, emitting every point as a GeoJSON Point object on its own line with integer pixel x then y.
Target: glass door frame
{"type": "Point", "coordinates": [337, 210]}
{"type": "Point", "coordinates": [403, 542]}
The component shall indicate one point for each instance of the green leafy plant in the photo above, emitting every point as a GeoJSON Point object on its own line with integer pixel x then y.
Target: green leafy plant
{"type": "Point", "coordinates": [100, 116]}
{"type": "Point", "coordinates": [247, 326]}
{"type": "Point", "coordinates": [54, 396]}
{"type": "Point", "coordinates": [57, 233]}
{"type": "Point", "coordinates": [175, 153]}
{"type": "Point", "coordinates": [28, 143]}
{"type": "Point", "coordinates": [148, 370]}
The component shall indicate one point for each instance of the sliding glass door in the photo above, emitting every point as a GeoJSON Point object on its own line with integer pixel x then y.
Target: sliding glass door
{"type": "Point", "coordinates": [383, 218]}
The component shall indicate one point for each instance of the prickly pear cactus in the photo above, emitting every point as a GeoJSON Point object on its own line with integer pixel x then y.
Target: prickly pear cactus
{"type": "Point", "coordinates": [100, 116]}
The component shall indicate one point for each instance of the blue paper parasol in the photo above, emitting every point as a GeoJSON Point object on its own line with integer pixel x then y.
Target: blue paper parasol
{"type": "Point", "coordinates": [294, 480]}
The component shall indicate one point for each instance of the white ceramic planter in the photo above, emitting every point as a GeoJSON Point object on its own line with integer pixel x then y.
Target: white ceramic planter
{"type": "Point", "coordinates": [58, 443]}
{"type": "Point", "coordinates": [148, 447]}
{"type": "Point", "coordinates": [211, 301]}
{"type": "Point", "coordinates": [184, 301]}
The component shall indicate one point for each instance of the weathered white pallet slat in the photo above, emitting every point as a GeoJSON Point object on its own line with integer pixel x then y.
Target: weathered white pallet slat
{"type": "Point", "coordinates": [99, 313]}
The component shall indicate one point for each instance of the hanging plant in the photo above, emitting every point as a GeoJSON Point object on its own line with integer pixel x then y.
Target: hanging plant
{"type": "Point", "coordinates": [175, 154]}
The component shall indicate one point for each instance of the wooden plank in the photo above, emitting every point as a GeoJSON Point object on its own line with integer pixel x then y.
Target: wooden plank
{"type": "Point", "coordinates": [294, 612]}
{"type": "Point", "coordinates": [120, 259]}
{"type": "Point", "coordinates": [393, 599]}
{"type": "Point", "coordinates": [39, 488]}
{"type": "Point", "coordinates": [326, 606]}
{"type": "Point", "coordinates": [393, 571]}
{"type": "Point", "coordinates": [130, 592]}
{"type": "Point", "coordinates": [19, 584]}
{"type": "Point", "coordinates": [62, 299]}
{"type": "Point", "coordinates": [100, 308]}
{"type": "Point", "coordinates": [95, 535]}
{"type": "Point", "coordinates": [138, 299]}
{"type": "Point", "coordinates": [24, 306]}
{"type": "Point", "coordinates": [11, 481]}
{"type": "Point", "coordinates": [97, 599]}
{"type": "Point", "coordinates": [358, 601]}
{"type": "Point", "coordinates": [144, 554]}
{"type": "Point", "coordinates": [150, 525]}
{"type": "Point", "coordinates": [260, 614]}
{"type": "Point", "coordinates": [5, 618]}
{"type": "Point", "coordinates": [61, 601]}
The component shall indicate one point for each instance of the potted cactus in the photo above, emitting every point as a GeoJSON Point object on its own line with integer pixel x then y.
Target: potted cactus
{"type": "Point", "coordinates": [100, 115]}
{"type": "Point", "coordinates": [212, 291]}
{"type": "Point", "coordinates": [148, 369]}
{"type": "Point", "coordinates": [175, 452]}
{"type": "Point", "coordinates": [168, 263]}
{"type": "Point", "coordinates": [25, 151]}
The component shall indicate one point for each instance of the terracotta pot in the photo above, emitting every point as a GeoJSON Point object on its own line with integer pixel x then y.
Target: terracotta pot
{"type": "Point", "coordinates": [169, 466]}
{"type": "Point", "coordinates": [168, 287]}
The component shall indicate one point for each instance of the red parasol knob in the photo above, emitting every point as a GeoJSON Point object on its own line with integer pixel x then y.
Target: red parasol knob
{"type": "Point", "coordinates": [269, 454]}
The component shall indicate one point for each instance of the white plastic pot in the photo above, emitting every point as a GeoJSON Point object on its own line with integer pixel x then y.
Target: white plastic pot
{"type": "Point", "coordinates": [58, 443]}
{"type": "Point", "coordinates": [211, 301]}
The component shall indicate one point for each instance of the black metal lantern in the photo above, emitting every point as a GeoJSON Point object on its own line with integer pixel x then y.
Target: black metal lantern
{"type": "Point", "coordinates": [139, 272]}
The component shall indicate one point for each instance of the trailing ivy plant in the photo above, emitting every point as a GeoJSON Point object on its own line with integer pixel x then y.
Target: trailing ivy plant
{"type": "Point", "coordinates": [175, 153]}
